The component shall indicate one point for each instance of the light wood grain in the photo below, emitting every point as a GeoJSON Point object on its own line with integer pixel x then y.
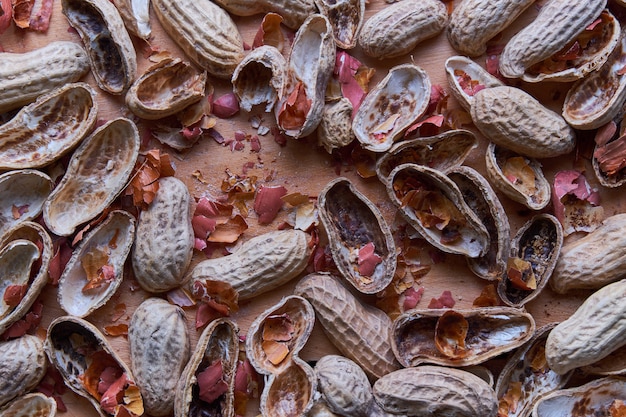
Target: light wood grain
{"type": "Point", "coordinates": [300, 166]}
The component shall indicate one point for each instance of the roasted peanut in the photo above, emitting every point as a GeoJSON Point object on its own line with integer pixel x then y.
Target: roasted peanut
{"type": "Point", "coordinates": [22, 366]}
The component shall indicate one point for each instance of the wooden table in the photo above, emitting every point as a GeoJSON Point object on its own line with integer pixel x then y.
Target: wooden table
{"type": "Point", "coordinates": [302, 166]}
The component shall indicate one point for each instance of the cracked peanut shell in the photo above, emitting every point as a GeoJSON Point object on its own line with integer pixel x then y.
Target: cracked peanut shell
{"type": "Point", "coordinates": [346, 18]}
{"type": "Point", "coordinates": [30, 405]}
{"type": "Point", "coordinates": [24, 190]}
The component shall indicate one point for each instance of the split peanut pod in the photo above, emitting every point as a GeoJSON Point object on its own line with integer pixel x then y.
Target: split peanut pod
{"type": "Point", "coordinates": [605, 396]}
{"type": "Point", "coordinates": [109, 47]}
{"type": "Point", "coordinates": [83, 356]}
{"type": "Point", "coordinates": [360, 331]}
{"type": "Point", "coordinates": [23, 364]}
{"type": "Point", "coordinates": [309, 68]}
{"type": "Point", "coordinates": [260, 264]}
{"type": "Point", "coordinates": [394, 104]}
{"type": "Point", "coordinates": [598, 98]}
{"type": "Point", "coordinates": [466, 77]}
{"type": "Point", "coordinates": [473, 23]}
{"type": "Point", "coordinates": [535, 249]}
{"type": "Point", "coordinates": [260, 78]}
{"type": "Point", "coordinates": [82, 287]}
{"type": "Point", "coordinates": [526, 377]}
{"type": "Point", "coordinates": [360, 239]}
{"type": "Point", "coordinates": [607, 158]}
{"type": "Point", "coordinates": [204, 31]}
{"type": "Point", "coordinates": [443, 152]}
{"type": "Point", "coordinates": [346, 18]}
{"type": "Point", "coordinates": [518, 177]}
{"type": "Point", "coordinates": [484, 202]}
{"type": "Point", "coordinates": [159, 350]}
{"type": "Point", "coordinates": [432, 391]}
{"type": "Point", "coordinates": [22, 195]}
{"type": "Point", "coordinates": [512, 118]}
{"type": "Point", "coordinates": [434, 206]}
{"type": "Point", "coordinates": [592, 332]}
{"type": "Point", "coordinates": [30, 405]}
{"type": "Point", "coordinates": [557, 24]}
{"type": "Point", "coordinates": [458, 337]}
{"type": "Point", "coordinates": [163, 245]}
{"type": "Point", "coordinates": [26, 76]}
{"type": "Point", "coordinates": [96, 174]}
{"type": "Point", "coordinates": [26, 250]}
{"type": "Point", "coordinates": [294, 12]}
{"type": "Point", "coordinates": [47, 129]}
{"type": "Point", "coordinates": [273, 342]}
{"type": "Point", "coordinates": [165, 89]}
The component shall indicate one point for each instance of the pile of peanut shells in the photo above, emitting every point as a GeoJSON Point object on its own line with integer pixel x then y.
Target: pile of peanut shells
{"type": "Point", "coordinates": [479, 196]}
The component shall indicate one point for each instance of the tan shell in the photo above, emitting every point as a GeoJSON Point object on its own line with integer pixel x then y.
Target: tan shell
{"type": "Point", "coordinates": [535, 198]}
{"type": "Point", "coordinates": [17, 258]}
{"type": "Point", "coordinates": [527, 372]}
{"type": "Point", "coordinates": [34, 234]}
{"type": "Point", "coordinates": [510, 117]}
{"type": "Point", "coordinates": [557, 23]}
{"type": "Point", "coordinates": [294, 12]}
{"type": "Point", "coordinates": [594, 398]}
{"type": "Point", "coordinates": [461, 66]}
{"type": "Point", "coordinates": [204, 31]}
{"type": "Point", "coordinates": [618, 178]}
{"type": "Point", "coordinates": [590, 60]}
{"type": "Point", "coordinates": [136, 16]}
{"type": "Point", "coordinates": [335, 128]}
{"type": "Point", "coordinates": [473, 23]}
{"type": "Point", "coordinates": [539, 242]}
{"type": "Point", "coordinates": [32, 138]}
{"type": "Point", "coordinates": [96, 174]}
{"type": "Point", "coordinates": [359, 331]}
{"type": "Point", "coordinates": [311, 62]}
{"type": "Point", "coordinates": [30, 405]}
{"type": "Point", "coordinates": [108, 44]}
{"type": "Point", "coordinates": [459, 337]}
{"type": "Point", "coordinates": [346, 18]}
{"type": "Point", "coordinates": [351, 222]}
{"type": "Point", "coordinates": [70, 346]}
{"type": "Point", "coordinates": [433, 391]}
{"type": "Point", "coordinates": [166, 88]}
{"type": "Point", "coordinates": [443, 152]}
{"type": "Point", "coordinates": [23, 365]}
{"type": "Point", "coordinates": [159, 351]}
{"type": "Point", "coordinates": [469, 237]}
{"type": "Point", "coordinates": [583, 107]}
{"type": "Point", "coordinates": [218, 341]}
{"type": "Point", "coordinates": [25, 189]}
{"type": "Point", "coordinates": [112, 239]}
{"type": "Point", "coordinates": [391, 107]}
{"type": "Point", "coordinates": [260, 78]}
{"type": "Point", "coordinates": [291, 384]}
{"type": "Point", "coordinates": [398, 28]}
{"type": "Point", "coordinates": [484, 202]}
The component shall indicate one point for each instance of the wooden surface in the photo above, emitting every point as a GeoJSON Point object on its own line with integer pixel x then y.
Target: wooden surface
{"type": "Point", "coordinates": [301, 166]}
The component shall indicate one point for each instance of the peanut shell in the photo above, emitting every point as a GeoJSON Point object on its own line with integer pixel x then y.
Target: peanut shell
{"type": "Point", "coordinates": [136, 16]}
{"type": "Point", "coordinates": [30, 405]}
{"type": "Point", "coordinates": [462, 73]}
{"type": "Point", "coordinates": [294, 12]}
{"type": "Point", "coordinates": [346, 18]}
{"type": "Point", "coordinates": [26, 189]}
{"type": "Point", "coordinates": [22, 366]}
{"type": "Point", "coordinates": [335, 128]}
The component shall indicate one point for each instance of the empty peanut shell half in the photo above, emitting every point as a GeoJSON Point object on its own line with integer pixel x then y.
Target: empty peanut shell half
{"type": "Point", "coordinates": [22, 194]}
{"type": "Point", "coordinates": [534, 253]}
{"type": "Point", "coordinates": [484, 202]}
{"type": "Point", "coordinates": [466, 78]}
{"type": "Point", "coordinates": [442, 152]}
{"type": "Point", "coordinates": [598, 98]}
{"type": "Point", "coordinates": [393, 105]}
{"type": "Point", "coordinates": [33, 245]}
{"type": "Point", "coordinates": [83, 356]}
{"type": "Point", "coordinates": [47, 129]}
{"type": "Point", "coordinates": [273, 342]}
{"type": "Point", "coordinates": [518, 177]}
{"type": "Point", "coordinates": [108, 44]}
{"type": "Point", "coordinates": [459, 337]}
{"type": "Point", "coordinates": [23, 364]}
{"type": "Point", "coordinates": [207, 383]}
{"type": "Point", "coordinates": [434, 206]}
{"type": "Point", "coordinates": [346, 18]}
{"type": "Point", "coordinates": [309, 67]}
{"type": "Point", "coordinates": [526, 376]}
{"type": "Point", "coordinates": [96, 268]}
{"type": "Point", "coordinates": [30, 405]}
{"type": "Point", "coordinates": [260, 78]}
{"type": "Point", "coordinates": [96, 174]}
{"type": "Point", "coordinates": [360, 239]}
{"type": "Point", "coordinates": [608, 154]}
{"type": "Point", "coordinates": [166, 88]}
{"type": "Point", "coordinates": [136, 16]}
